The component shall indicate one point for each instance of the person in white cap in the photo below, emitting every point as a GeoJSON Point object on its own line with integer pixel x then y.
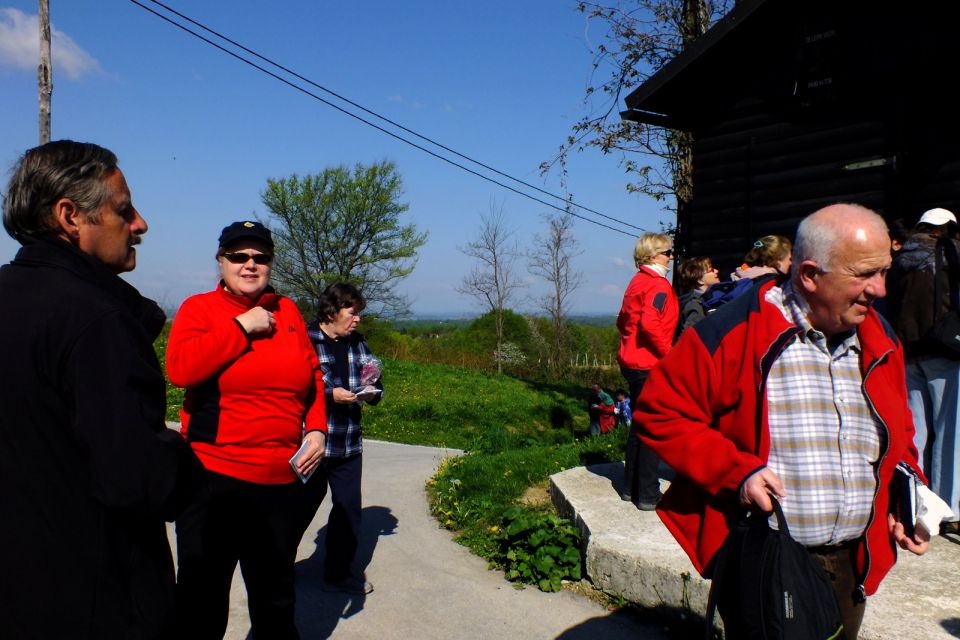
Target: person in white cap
{"type": "Point", "coordinates": [920, 290]}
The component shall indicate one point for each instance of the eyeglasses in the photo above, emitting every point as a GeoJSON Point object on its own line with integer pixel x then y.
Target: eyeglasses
{"type": "Point", "coordinates": [668, 253]}
{"type": "Point", "coordinates": [239, 257]}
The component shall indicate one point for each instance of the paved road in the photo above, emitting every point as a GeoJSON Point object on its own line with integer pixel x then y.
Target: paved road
{"type": "Point", "coordinates": [427, 586]}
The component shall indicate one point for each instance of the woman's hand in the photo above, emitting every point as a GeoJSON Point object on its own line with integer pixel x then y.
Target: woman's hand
{"type": "Point", "coordinates": [342, 396]}
{"type": "Point", "coordinates": [257, 320]}
{"type": "Point", "coordinates": [317, 441]}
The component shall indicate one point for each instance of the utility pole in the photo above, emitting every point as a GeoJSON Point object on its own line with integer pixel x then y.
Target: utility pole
{"type": "Point", "coordinates": [44, 72]}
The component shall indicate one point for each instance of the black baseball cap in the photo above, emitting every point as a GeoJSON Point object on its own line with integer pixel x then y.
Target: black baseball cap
{"type": "Point", "coordinates": [245, 229]}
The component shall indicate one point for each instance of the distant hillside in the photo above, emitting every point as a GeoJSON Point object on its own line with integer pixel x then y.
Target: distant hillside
{"type": "Point", "coordinates": [595, 321]}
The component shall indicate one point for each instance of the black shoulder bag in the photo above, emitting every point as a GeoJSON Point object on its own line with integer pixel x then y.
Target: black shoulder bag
{"type": "Point", "coordinates": [945, 332]}
{"type": "Point", "coordinates": [767, 586]}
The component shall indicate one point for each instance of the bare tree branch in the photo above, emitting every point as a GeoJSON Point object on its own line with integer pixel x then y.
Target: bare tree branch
{"type": "Point", "coordinates": [641, 37]}
{"type": "Point", "coordinates": [551, 258]}
{"type": "Point", "coordinates": [492, 281]}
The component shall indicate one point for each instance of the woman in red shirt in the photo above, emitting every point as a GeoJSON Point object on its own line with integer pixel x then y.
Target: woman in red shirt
{"type": "Point", "coordinates": [254, 396]}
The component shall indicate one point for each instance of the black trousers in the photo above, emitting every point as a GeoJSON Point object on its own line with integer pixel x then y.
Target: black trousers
{"type": "Point", "coordinates": [640, 462]}
{"type": "Point", "coordinates": [342, 476]}
{"type": "Point", "coordinates": [231, 521]}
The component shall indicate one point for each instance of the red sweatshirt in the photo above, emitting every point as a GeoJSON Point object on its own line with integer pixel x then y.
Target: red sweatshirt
{"type": "Point", "coordinates": [247, 397]}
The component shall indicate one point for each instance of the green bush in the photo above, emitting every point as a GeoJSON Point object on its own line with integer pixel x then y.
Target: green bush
{"type": "Point", "coordinates": [537, 548]}
{"type": "Point", "coordinates": [471, 494]}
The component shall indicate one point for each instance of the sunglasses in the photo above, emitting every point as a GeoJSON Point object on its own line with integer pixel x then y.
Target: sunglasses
{"type": "Point", "coordinates": [239, 257]}
{"type": "Point", "coordinates": [668, 253]}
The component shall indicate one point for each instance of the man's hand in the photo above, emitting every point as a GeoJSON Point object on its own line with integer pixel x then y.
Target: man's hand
{"type": "Point", "coordinates": [256, 320]}
{"type": "Point", "coordinates": [317, 441]}
{"type": "Point", "coordinates": [756, 490]}
{"type": "Point", "coordinates": [342, 396]}
{"type": "Point", "coordinates": [918, 544]}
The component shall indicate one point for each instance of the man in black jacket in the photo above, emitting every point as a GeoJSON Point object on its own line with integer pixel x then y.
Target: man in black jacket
{"type": "Point", "coordinates": [88, 470]}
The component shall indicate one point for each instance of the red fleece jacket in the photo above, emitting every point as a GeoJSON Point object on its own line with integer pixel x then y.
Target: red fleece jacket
{"type": "Point", "coordinates": [647, 321]}
{"type": "Point", "coordinates": [247, 397]}
{"type": "Point", "coordinates": [704, 411]}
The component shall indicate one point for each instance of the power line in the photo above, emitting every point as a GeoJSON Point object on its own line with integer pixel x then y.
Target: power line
{"type": "Point", "coordinates": [374, 125]}
{"type": "Point", "coordinates": [386, 119]}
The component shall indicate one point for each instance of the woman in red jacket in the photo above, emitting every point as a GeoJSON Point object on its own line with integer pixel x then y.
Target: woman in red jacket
{"type": "Point", "coordinates": [254, 396]}
{"type": "Point", "coordinates": [647, 322]}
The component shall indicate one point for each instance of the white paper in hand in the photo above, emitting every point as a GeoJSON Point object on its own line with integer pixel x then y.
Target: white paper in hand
{"type": "Point", "coordinates": [931, 509]}
{"type": "Point", "coordinates": [293, 463]}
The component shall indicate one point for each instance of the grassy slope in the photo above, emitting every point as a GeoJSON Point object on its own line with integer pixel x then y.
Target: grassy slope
{"type": "Point", "coordinates": [469, 409]}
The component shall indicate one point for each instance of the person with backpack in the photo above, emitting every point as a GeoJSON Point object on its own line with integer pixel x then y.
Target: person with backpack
{"type": "Point", "coordinates": [795, 390]}
{"type": "Point", "coordinates": [697, 274]}
{"type": "Point", "coordinates": [922, 290]}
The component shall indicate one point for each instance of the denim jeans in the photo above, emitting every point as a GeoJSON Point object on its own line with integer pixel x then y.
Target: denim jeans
{"type": "Point", "coordinates": [933, 388]}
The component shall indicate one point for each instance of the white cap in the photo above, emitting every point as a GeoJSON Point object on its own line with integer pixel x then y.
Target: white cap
{"type": "Point", "coordinates": [937, 217]}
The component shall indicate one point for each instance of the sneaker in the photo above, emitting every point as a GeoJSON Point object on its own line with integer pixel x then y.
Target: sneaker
{"type": "Point", "coordinates": [356, 586]}
{"type": "Point", "coordinates": [949, 527]}
{"type": "Point", "coordinates": [649, 505]}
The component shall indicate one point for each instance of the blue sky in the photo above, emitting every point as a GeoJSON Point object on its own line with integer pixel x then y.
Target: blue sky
{"type": "Point", "coordinates": [198, 133]}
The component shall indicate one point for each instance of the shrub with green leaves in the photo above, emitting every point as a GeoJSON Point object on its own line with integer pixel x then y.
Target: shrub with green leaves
{"type": "Point", "coordinates": [538, 548]}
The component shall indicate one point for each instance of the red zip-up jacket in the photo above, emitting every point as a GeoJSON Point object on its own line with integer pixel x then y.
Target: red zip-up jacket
{"type": "Point", "coordinates": [647, 321]}
{"type": "Point", "coordinates": [248, 397]}
{"type": "Point", "coordinates": [703, 410]}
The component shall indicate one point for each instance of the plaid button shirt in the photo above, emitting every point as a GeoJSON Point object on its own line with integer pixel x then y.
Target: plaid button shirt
{"type": "Point", "coordinates": [344, 435]}
{"type": "Point", "coordinates": [824, 440]}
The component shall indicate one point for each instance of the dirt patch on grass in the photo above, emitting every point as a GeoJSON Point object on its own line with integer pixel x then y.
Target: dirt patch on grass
{"type": "Point", "coordinates": [537, 495]}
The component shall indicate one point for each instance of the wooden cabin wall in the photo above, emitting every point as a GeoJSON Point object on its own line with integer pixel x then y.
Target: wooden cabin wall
{"type": "Point", "coordinates": [761, 171]}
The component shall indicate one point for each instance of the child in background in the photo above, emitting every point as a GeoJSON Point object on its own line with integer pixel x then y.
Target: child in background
{"type": "Point", "coordinates": [622, 408]}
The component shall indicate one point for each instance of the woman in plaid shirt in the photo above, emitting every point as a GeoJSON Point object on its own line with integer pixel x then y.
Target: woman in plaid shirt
{"type": "Point", "coordinates": [342, 353]}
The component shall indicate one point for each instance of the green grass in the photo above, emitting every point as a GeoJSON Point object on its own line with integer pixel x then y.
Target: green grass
{"type": "Point", "coordinates": [463, 408]}
{"type": "Point", "coordinates": [469, 494]}
{"type": "Point", "coordinates": [174, 394]}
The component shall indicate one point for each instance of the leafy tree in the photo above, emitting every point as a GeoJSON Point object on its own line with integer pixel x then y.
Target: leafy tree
{"type": "Point", "coordinates": [551, 258]}
{"type": "Point", "coordinates": [343, 224]}
{"type": "Point", "coordinates": [641, 37]}
{"type": "Point", "coordinates": [492, 280]}
{"type": "Point", "coordinates": [481, 335]}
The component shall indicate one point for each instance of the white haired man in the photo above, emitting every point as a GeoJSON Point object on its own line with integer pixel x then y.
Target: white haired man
{"type": "Point", "coordinates": [796, 390]}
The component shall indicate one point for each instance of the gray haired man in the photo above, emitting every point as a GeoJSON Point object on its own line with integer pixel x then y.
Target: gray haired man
{"type": "Point", "coordinates": [88, 470]}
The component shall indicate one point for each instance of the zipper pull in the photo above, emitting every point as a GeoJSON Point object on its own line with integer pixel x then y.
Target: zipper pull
{"type": "Point", "coordinates": [860, 595]}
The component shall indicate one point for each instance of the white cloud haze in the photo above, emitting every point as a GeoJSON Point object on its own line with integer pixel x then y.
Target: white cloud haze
{"type": "Point", "coordinates": [20, 47]}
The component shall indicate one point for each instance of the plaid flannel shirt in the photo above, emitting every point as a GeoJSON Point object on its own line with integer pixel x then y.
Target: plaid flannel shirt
{"type": "Point", "coordinates": [824, 439]}
{"type": "Point", "coordinates": [344, 434]}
